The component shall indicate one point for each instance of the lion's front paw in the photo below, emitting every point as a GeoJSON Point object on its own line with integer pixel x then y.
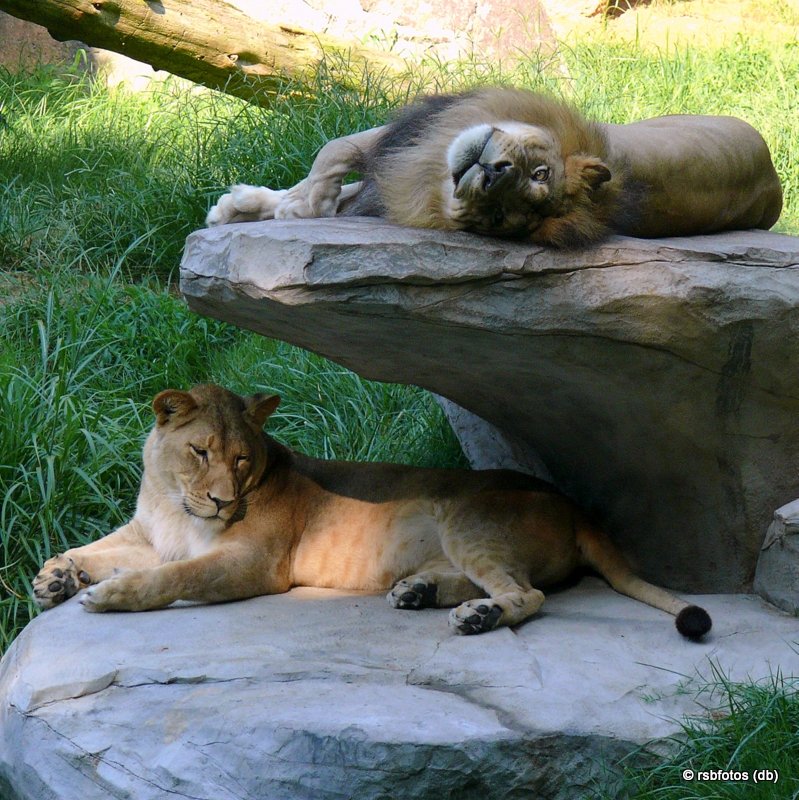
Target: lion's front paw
{"type": "Point", "coordinates": [412, 593]}
{"type": "Point", "coordinates": [310, 200]}
{"type": "Point", "coordinates": [245, 204]}
{"type": "Point", "coordinates": [475, 616]}
{"type": "Point", "coordinates": [119, 593]}
{"type": "Point", "coordinates": [58, 580]}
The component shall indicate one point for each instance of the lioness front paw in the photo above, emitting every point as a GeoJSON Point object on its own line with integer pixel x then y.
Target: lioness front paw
{"type": "Point", "coordinates": [412, 593]}
{"type": "Point", "coordinates": [58, 580]}
{"type": "Point", "coordinates": [113, 594]}
{"type": "Point", "coordinates": [475, 616]}
{"type": "Point", "coordinates": [245, 203]}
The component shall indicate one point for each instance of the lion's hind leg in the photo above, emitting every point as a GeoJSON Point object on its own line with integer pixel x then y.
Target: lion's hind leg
{"type": "Point", "coordinates": [505, 596]}
{"type": "Point", "coordinates": [438, 585]}
{"type": "Point", "coordinates": [487, 536]}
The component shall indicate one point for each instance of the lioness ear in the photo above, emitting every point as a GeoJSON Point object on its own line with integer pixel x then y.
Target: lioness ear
{"type": "Point", "coordinates": [585, 172]}
{"type": "Point", "coordinates": [171, 404]}
{"type": "Point", "coordinates": [260, 407]}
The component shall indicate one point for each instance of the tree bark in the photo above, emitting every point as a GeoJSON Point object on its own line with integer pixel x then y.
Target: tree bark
{"type": "Point", "coordinates": [207, 41]}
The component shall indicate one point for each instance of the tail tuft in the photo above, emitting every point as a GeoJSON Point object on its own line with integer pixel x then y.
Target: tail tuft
{"type": "Point", "coordinates": [693, 622]}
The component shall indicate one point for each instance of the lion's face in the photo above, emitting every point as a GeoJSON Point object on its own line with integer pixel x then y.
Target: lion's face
{"type": "Point", "coordinates": [509, 177]}
{"type": "Point", "coordinates": [207, 449]}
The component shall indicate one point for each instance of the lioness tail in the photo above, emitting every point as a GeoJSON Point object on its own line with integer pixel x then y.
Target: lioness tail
{"type": "Point", "coordinates": [601, 554]}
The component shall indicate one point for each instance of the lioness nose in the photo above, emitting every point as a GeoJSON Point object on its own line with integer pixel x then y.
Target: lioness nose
{"type": "Point", "coordinates": [220, 504]}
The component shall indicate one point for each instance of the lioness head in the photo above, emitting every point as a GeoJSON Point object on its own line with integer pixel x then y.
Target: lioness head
{"type": "Point", "coordinates": [207, 450]}
{"type": "Point", "coordinates": [509, 178]}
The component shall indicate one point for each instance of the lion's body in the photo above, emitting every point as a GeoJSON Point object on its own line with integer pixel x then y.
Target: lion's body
{"type": "Point", "coordinates": [668, 176]}
{"type": "Point", "coordinates": [225, 512]}
{"type": "Point", "coordinates": [700, 174]}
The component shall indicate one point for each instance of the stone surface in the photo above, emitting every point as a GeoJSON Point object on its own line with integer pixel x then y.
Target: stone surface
{"type": "Point", "coordinates": [24, 45]}
{"type": "Point", "coordinates": [321, 695]}
{"type": "Point", "coordinates": [777, 575]}
{"type": "Point", "coordinates": [487, 447]}
{"type": "Point", "coordinates": [656, 379]}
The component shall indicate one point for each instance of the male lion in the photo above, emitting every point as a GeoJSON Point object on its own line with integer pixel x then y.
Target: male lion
{"type": "Point", "coordinates": [226, 512]}
{"type": "Point", "coordinates": [513, 163]}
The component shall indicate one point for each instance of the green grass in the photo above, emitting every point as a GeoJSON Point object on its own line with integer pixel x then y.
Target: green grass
{"type": "Point", "coordinates": [747, 727]}
{"type": "Point", "coordinates": [108, 173]}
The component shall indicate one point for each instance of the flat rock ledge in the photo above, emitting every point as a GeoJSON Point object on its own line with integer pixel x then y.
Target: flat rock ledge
{"type": "Point", "coordinates": [322, 695]}
{"type": "Point", "coordinates": [657, 379]}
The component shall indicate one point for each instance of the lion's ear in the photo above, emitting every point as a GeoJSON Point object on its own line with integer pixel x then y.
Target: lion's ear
{"type": "Point", "coordinates": [172, 404]}
{"type": "Point", "coordinates": [586, 172]}
{"type": "Point", "coordinates": [260, 407]}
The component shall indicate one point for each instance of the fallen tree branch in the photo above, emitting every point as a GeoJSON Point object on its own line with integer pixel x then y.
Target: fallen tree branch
{"type": "Point", "coordinates": [207, 41]}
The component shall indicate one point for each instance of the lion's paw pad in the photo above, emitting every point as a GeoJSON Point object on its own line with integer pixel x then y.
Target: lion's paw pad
{"type": "Point", "coordinates": [57, 581]}
{"type": "Point", "coordinates": [413, 594]}
{"type": "Point", "coordinates": [475, 616]}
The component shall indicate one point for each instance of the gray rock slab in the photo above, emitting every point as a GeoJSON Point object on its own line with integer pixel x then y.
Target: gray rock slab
{"type": "Point", "coordinates": [323, 695]}
{"type": "Point", "coordinates": [777, 575]}
{"type": "Point", "coordinates": [487, 447]}
{"type": "Point", "coordinates": [656, 379]}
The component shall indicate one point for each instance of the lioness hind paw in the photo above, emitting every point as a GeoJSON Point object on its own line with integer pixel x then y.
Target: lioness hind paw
{"type": "Point", "coordinates": [410, 594]}
{"type": "Point", "coordinates": [475, 616]}
{"type": "Point", "coordinates": [57, 581]}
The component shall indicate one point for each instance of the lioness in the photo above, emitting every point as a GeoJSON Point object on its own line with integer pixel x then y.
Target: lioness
{"type": "Point", "coordinates": [517, 164]}
{"type": "Point", "coordinates": [226, 512]}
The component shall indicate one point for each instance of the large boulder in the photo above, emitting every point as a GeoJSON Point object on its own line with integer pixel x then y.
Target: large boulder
{"type": "Point", "coordinates": [657, 379]}
{"type": "Point", "coordinates": [321, 695]}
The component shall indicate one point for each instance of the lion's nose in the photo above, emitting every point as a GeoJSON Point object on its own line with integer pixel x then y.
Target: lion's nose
{"type": "Point", "coordinates": [493, 172]}
{"type": "Point", "coordinates": [219, 502]}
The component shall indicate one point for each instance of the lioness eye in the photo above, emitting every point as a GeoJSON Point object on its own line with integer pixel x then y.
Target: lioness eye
{"type": "Point", "coordinates": [241, 460]}
{"type": "Point", "coordinates": [198, 451]}
{"type": "Point", "coordinates": [541, 174]}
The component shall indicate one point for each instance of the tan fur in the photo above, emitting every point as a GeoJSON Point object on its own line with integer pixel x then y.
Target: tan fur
{"type": "Point", "coordinates": [668, 176]}
{"type": "Point", "coordinates": [226, 512]}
